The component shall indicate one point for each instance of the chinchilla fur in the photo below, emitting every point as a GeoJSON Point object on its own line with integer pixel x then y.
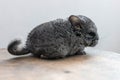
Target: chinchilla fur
{"type": "Point", "coordinates": [59, 38]}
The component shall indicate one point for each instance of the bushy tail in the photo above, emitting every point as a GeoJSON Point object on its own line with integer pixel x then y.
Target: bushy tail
{"type": "Point", "coordinates": [14, 50]}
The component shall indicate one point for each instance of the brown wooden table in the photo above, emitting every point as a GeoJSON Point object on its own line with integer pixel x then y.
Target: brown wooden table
{"type": "Point", "coordinates": [96, 65]}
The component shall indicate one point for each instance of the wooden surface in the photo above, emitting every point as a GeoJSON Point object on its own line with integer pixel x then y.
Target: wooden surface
{"type": "Point", "coordinates": [96, 65]}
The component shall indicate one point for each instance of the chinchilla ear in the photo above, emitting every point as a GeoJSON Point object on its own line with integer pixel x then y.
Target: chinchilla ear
{"type": "Point", "coordinates": [75, 21]}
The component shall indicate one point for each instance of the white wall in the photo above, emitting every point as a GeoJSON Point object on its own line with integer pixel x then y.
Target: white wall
{"type": "Point", "coordinates": [18, 17]}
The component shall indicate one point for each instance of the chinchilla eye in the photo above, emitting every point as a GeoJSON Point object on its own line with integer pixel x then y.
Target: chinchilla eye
{"type": "Point", "coordinates": [92, 34]}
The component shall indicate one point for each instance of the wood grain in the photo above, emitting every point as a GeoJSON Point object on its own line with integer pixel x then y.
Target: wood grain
{"type": "Point", "coordinates": [96, 65]}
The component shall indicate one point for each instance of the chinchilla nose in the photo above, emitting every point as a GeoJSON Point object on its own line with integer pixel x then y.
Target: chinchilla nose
{"type": "Point", "coordinates": [96, 37]}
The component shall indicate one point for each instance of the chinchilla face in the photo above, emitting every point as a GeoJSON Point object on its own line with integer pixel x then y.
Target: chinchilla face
{"type": "Point", "coordinates": [84, 28]}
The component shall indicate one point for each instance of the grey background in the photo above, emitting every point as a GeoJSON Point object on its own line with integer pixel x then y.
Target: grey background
{"type": "Point", "coordinates": [18, 17]}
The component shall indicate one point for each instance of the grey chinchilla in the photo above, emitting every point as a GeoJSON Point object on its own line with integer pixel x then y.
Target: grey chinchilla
{"type": "Point", "coordinates": [59, 38]}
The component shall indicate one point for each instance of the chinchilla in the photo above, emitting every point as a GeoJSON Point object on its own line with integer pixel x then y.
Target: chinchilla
{"type": "Point", "coordinates": [58, 38]}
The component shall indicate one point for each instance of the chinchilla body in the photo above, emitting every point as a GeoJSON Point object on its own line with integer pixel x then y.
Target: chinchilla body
{"type": "Point", "coordinates": [58, 38]}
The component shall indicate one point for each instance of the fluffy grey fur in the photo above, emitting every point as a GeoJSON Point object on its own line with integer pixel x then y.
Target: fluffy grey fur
{"type": "Point", "coordinates": [59, 38]}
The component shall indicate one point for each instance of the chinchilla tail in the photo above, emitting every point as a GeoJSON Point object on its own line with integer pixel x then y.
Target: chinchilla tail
{"type": "Point", "coordinates": [14, 50]}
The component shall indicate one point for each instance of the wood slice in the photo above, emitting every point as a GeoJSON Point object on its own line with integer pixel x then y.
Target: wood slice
{"type": "Point", "coordinates": [96, 65]}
